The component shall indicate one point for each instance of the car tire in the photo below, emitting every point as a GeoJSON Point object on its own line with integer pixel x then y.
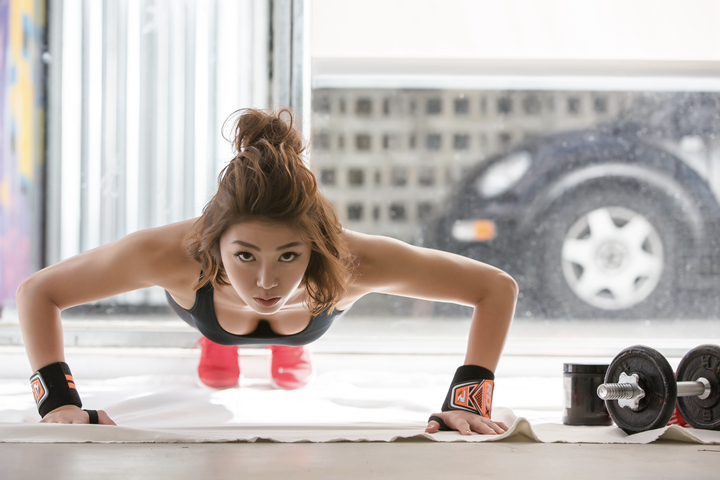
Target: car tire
{"type": "Point", "coordinates": [609, 250]}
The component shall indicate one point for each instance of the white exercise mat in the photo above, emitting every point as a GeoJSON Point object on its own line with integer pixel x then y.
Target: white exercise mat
{"type": "Point", "coordinates": [343, 405]}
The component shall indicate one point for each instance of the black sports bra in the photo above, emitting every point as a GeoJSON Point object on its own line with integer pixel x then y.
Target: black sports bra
{"type": "Point", "coordinates": [202, 316]}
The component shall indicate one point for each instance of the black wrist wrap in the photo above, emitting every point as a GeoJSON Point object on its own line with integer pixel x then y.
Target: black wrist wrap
{"type": "Point", "coordinates": [471, 390]}
{"type": "Point", "coordinates": [53, 387]}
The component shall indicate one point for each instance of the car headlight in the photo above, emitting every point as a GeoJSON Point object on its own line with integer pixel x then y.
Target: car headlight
{"type": "Point", "coordinates": [503, 174]}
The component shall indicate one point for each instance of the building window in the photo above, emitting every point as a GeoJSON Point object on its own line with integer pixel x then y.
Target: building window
{"type": "Point", "coordinates": [573, 105]}
{"type": "Point", "coordinates": [600, 105]}
{"type": "Point", "coordinates": [391, 141]}
{"type": "Point", "coordinates": [461, 141]}
{"type": "Point", "coordinates": [376, 213]}
{"type": "Point", "coordinates": [341, 142]}
{"type": "Point", "coordinates": [355, 211]}
{"type": "Point", "coordinates": [378, 178]}
{"type": "Point", "coordinates": [504, 139]}
{"type": "Point", "coordinates": [356, 177]}
{"type": "Point", "coordinates": [397, 212]}
{"type": "Point", "coordinates": [412, 142]}
{"type": "Point", "coordinates": [363, 107]}
{"type": "Point", "coordinates": [327, 176]}
{"type": "Point", "coordinates": [462, 106]}
{"type": "Point", "coordinates": [321, 141]}
{"type": "Point", "coordinates": [532, 105]}
{"type": "Point", "coordinates": [363, 142]}
{"type": "Point", "coordinates": [341, 104]}
{"type": "Point", "coordinates": [426, 176]}
{"type": "Point", "coordinates": [424, 210]}
{"type": "Point", "coordinates": [504, 105]}
{"type": "Point", "coordinates": [412, 107]}
{"type": "Point", "coordinates": [399, 177]}
{"type": "Point", "coordinates": [434, 141]}
{"type": "Point", "coordinates": [321, 104]}
{"type": "Point", "coordinates": [392, 106]}
{"type": "Point", "coordinates": [434, 106]}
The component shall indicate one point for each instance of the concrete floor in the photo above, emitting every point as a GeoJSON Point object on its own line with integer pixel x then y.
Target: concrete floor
{"type": "Point", "coordinates": [348, 461]}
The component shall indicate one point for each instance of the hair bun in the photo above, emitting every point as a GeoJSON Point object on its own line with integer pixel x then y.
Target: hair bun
{"type": "Point", "coordinates": [260, 130]}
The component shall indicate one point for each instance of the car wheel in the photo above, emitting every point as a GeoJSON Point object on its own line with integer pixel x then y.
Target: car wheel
{"type": "Point", "coordinates": [610, 252]}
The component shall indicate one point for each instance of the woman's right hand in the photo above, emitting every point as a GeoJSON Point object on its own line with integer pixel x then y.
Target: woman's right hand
{"type": "Point", "coordinates": [74, 414]}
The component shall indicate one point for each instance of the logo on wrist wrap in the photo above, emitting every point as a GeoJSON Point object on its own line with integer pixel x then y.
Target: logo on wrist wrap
{"type": "Point", "coordinates": [474, 396]}
{"type": "Point", "coordinates": [38, 388]}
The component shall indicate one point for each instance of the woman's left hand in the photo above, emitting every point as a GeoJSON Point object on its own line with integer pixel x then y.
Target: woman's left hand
{"type": "Point", "coordinates": [466, 423]}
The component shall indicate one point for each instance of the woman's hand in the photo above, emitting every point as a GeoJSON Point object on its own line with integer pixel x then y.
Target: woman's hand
{"type": "Point", "coordinates": [466, 423]}
{"type": "Point", "coordinates": [73, 414]}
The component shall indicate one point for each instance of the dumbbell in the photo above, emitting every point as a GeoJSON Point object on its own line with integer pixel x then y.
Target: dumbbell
{"type": "Point", "coordinates": [641, 391]}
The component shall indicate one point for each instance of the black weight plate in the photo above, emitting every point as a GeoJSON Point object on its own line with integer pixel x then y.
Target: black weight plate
{"type": "Point", "coordinates": [702, 361]}
{"type": "Point", "coordinates": [655, 377]}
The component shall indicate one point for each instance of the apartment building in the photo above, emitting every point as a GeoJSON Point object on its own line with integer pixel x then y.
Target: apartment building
{"type": "Point", "coordinates": [387, 158]}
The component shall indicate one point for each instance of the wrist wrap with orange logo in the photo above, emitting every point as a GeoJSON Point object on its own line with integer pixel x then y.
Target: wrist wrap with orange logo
{"type": "Point", "coordinates": [471, 390]}
{"type": "Point", "coordinates": [53, 386]}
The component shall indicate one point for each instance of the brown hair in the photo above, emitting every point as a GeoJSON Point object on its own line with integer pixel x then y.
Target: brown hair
{"type": "Point", "coordinates": [269, 180]}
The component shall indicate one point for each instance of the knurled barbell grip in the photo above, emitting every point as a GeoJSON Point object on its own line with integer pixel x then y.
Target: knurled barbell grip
{"type": "Point", "coordinates": [623, 391]}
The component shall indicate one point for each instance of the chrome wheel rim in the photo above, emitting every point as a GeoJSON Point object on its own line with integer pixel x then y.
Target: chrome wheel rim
{"type": "Point", "coordinates": [612, 258]}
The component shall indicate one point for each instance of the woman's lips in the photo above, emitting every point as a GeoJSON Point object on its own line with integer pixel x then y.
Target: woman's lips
{"type": "Point", "coordinates": [266, 302]}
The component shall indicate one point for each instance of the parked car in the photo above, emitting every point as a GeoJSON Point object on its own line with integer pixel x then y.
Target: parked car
{"type": "Point", "coordinates": [617, 221]}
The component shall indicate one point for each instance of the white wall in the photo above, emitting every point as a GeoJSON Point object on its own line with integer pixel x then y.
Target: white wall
{"type": "Point", "coordinates": [623, 45]}
{"type": "Point", "coordinates": [518, 29]}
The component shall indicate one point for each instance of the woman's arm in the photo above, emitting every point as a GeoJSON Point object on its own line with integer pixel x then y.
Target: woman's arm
{"type": "Point", "coordinates": [130, 263]}
{"type": "Point", "coordinates": [389, 266]}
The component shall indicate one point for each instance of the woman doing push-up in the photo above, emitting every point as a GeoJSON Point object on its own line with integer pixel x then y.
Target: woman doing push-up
{"type": "Point", "coordinates": [268, 263]}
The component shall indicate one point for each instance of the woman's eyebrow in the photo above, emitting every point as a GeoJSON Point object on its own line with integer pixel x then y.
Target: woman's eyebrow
{"type": "Point", "coordinates": [281, 247]}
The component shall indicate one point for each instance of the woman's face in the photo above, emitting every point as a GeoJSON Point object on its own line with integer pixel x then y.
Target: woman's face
{"type": "Point", "coordinates": [265, 262]}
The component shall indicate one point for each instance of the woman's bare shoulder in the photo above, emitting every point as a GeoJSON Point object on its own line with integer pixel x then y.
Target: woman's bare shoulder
{"type": "Point", "coordinates": [358, 243]}
{"type": "Point", "coordinates": [369, 252]}
{"type": "Point", "coordinates": [367, 248]}
{"type": "Point", "coordinates": [167, 247]}
{"type": "Point", "coordinates": [387, 265]}
{"type": "Point", "coordinates": [167, 239]}
{"type": "Point", "coordinates": [150, 257]}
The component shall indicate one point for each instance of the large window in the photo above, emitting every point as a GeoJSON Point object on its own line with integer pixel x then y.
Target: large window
{"type": "Point", "coordinates": [602, 204]}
